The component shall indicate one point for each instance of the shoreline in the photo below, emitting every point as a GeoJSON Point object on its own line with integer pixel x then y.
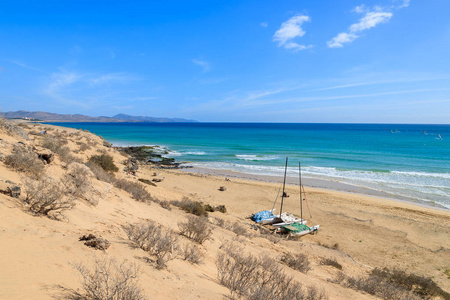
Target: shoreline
{"type": "Point", "coordinates": [315, 183]}
{"type": "Point", "coordinates": [332, 186]}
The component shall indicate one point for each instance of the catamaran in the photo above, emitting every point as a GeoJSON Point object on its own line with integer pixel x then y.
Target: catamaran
{"type": "Point", "coordinates": [285, 222]}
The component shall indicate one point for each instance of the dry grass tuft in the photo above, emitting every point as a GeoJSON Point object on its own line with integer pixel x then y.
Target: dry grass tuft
{"type": "Point", "coordinates": [25, 160]}
{"type": "Point", "coordinates": [331, 262]}
{"type": "Point", "coordinates": [107, 280]}
{"type": "Point", "coordinates": [299, 262]}
{"type": "Point", "coordinates": [154, 239]}
{"type": "Point", "coordinates": [45, 196]}
{"type": "Point", "coordinates": [253, 278]}
{"type": "Point", "coordinates": [196, 228]}
{"type": "Point", "coordinates": [136, 190]}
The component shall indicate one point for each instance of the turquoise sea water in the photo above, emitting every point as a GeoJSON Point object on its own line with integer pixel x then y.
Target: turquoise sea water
{"type": "Point", "coordinates": [404, 160]}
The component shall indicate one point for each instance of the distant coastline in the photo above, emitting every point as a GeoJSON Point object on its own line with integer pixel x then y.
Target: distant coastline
{"type": "Point", "coordinates": [39, 116]}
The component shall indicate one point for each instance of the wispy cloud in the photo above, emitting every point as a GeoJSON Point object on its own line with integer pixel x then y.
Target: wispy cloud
{"type": "Point", "coordinates": [82, 89]}
{"type": "Point", "coordinates": [403, 3]}
{"type": "Point", "coordinates": [290, 30]}
{"type": "Point", "coordinates": [264, 24]}
{"type": "Point", "coordinates": [204, 64]}
{"type": "Point", "coordinates": [23, 65]}
{"type": "Point", "coordinates": [341, 39]}
{"type": "Point", "coordinates": [370, 20]}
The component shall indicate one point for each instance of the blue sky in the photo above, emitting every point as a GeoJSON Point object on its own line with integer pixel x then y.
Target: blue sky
{"type": "Point", "coordinates": [384, 61]}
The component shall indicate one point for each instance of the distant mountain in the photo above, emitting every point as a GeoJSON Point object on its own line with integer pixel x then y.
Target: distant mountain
{"type": "Point", "coordinates": [52, 117]}
{"type": "Point", "coordinates": [129, 118]}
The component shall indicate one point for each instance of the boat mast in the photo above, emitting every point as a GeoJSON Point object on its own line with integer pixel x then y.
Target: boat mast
{"type": "Point", "coordinates": [300, 184]}
{"type": "Point", "coordinates": [284, 184]}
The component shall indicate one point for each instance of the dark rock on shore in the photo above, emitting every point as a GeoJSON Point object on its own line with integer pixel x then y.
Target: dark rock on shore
{"type": "Point", "coordinates": [149, 155]}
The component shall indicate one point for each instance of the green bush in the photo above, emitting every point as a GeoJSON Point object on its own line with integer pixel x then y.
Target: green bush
{"type": "Point", "coordinates": [105, 161]}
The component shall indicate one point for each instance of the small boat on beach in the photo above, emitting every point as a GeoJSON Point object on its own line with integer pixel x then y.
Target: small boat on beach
{"type": "Point", "coordinates": [285, 222]}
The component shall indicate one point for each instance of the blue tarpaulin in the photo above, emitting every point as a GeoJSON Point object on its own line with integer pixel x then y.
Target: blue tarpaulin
{"type": "Point", "coordinates": [262, 215]}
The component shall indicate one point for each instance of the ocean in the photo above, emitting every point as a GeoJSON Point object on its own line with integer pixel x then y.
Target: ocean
{"type": "Point", "coordinates": [404, 161]}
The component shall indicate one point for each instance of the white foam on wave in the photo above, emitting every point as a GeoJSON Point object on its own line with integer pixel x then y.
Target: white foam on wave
{"type": "Point", "coordinates": [195, 153]}
{"type": "Point", "coordinates": [250, 157]}
{"type": "Point", "coordinates": [173, 153]}
{"type": "Point", "coordinates": [428, 187]}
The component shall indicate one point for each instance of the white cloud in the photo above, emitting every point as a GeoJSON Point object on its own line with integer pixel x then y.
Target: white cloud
{"type": "Point", "coordinates": [264, 24]}
{"type": "Point", "coordinates": [405, 3]}
{"type": "Point", "coordinates": [289, 30]}
{"type": "Point", "coordinates": [360, 9]}
{"type": "Point", "coordinates": [369, 20]}
{"type": "Point", "coordinates": [205, 65]}
{"type": "Point", "coordinates": [342, 38]}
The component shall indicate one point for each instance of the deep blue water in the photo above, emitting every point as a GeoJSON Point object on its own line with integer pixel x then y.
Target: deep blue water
{"type": "Point", "coordinates": [405, 160]}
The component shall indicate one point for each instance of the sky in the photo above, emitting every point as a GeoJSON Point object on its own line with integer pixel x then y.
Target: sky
{"type": "Point", "coordinates": [302, 61]}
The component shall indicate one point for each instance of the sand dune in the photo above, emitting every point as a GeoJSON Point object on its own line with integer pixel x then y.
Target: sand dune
{"type": "Point", "coordinates": [38, 253]}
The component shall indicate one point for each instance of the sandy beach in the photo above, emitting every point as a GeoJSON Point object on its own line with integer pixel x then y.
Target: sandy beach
{"type": "Point", "coordinates": [360, 232]}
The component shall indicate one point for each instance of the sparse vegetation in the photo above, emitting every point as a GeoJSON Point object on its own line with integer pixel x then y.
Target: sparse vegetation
{"type": "Point", "coordinates": [394, 284]}
{"type": "Point", "coordinates": [99, 173]}
{"type": "Point", "coordinates": [253, 278]}
{"type": "Point", "coordinates": [299, 262]}
{"type": "Point", "coordinates": [45, 196]}
{"type": "Point", "coordinates": [165, 204]}
{"type": "Point", "coordinates": [108, 280]}
{"type": "Point", "coordinates": [77, 182]}
{"type": "Point", "coordinates": [154, 239]}
{"type": "Point", "coordinates": [333, 247]}
{"type": "Point", "coordinates": [105, 161]}
{"type": "Point", "coordinates": [136, 190]}
{"type": "Point", "coordinates": [196, 228]}
{"type": "Point", "coordinates": [25, 160]}
{"type": "Point", "coordinates": [56, 144]}
{"type": "Point", "coordinates": [146, 181]}
{"type": "Point", "coordinates": [331, 262]}
{"type": "Point", "coordinates": [12, 129]}
{"type": "Point", "coordinates": [193, 207]}
{"type": "Point", "coordinates": [221, 208]}
{"type": "Point", "coordinates": [192, 254]}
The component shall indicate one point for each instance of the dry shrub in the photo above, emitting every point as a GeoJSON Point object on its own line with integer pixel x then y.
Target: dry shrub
{"type": "Point", "coordinates": [105, 161]}
{"type": "Point", "coordinates": [331, 262]}
{"type": "Point", "coordinates": [196, 228]}
{"type": "Point", "coordinates": [83, 146]}
{"type": "Point", "coordinates": [107, 280]}
{"type": "Point", "coordinates": [154, 239]}
{"type": "Point", "coordinates": [299, 262]}
{"type": "Point", "coordinates": [192, 254]}
{"type": "Point", "coordinates": [136, 190]}
{"type": "Point", "coordinates": [146, 181]}
{"type": "Point", "coordinates": [12, 129]}
{"type": "Point", "coordinates": [77, 181]}
{"type": "Point", "coordinates": [24, 160]}
{"type": "Point", "coordinates": [165, 204]}
{"type": "Point", "coordinates": [333, 247]}
{"type": "Point", "coordinates": [57, 145]}
{"type": "Point", "coordinates": [221, 208]}
{"type": "Point", "coordinates": [46, 196]}
{"type": "Point", "coordinates": [394, 284]}
{"type": "Point", "coordinates": [253, 278]}
{"type": "Point", "coordinates": [100, 174]}
{"type": "Point", "coordinates": [239, 229]}
{"type": "Point", "coordinates": [193, 207]}
{"type": "Point", "coordinates": [53, 143]}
